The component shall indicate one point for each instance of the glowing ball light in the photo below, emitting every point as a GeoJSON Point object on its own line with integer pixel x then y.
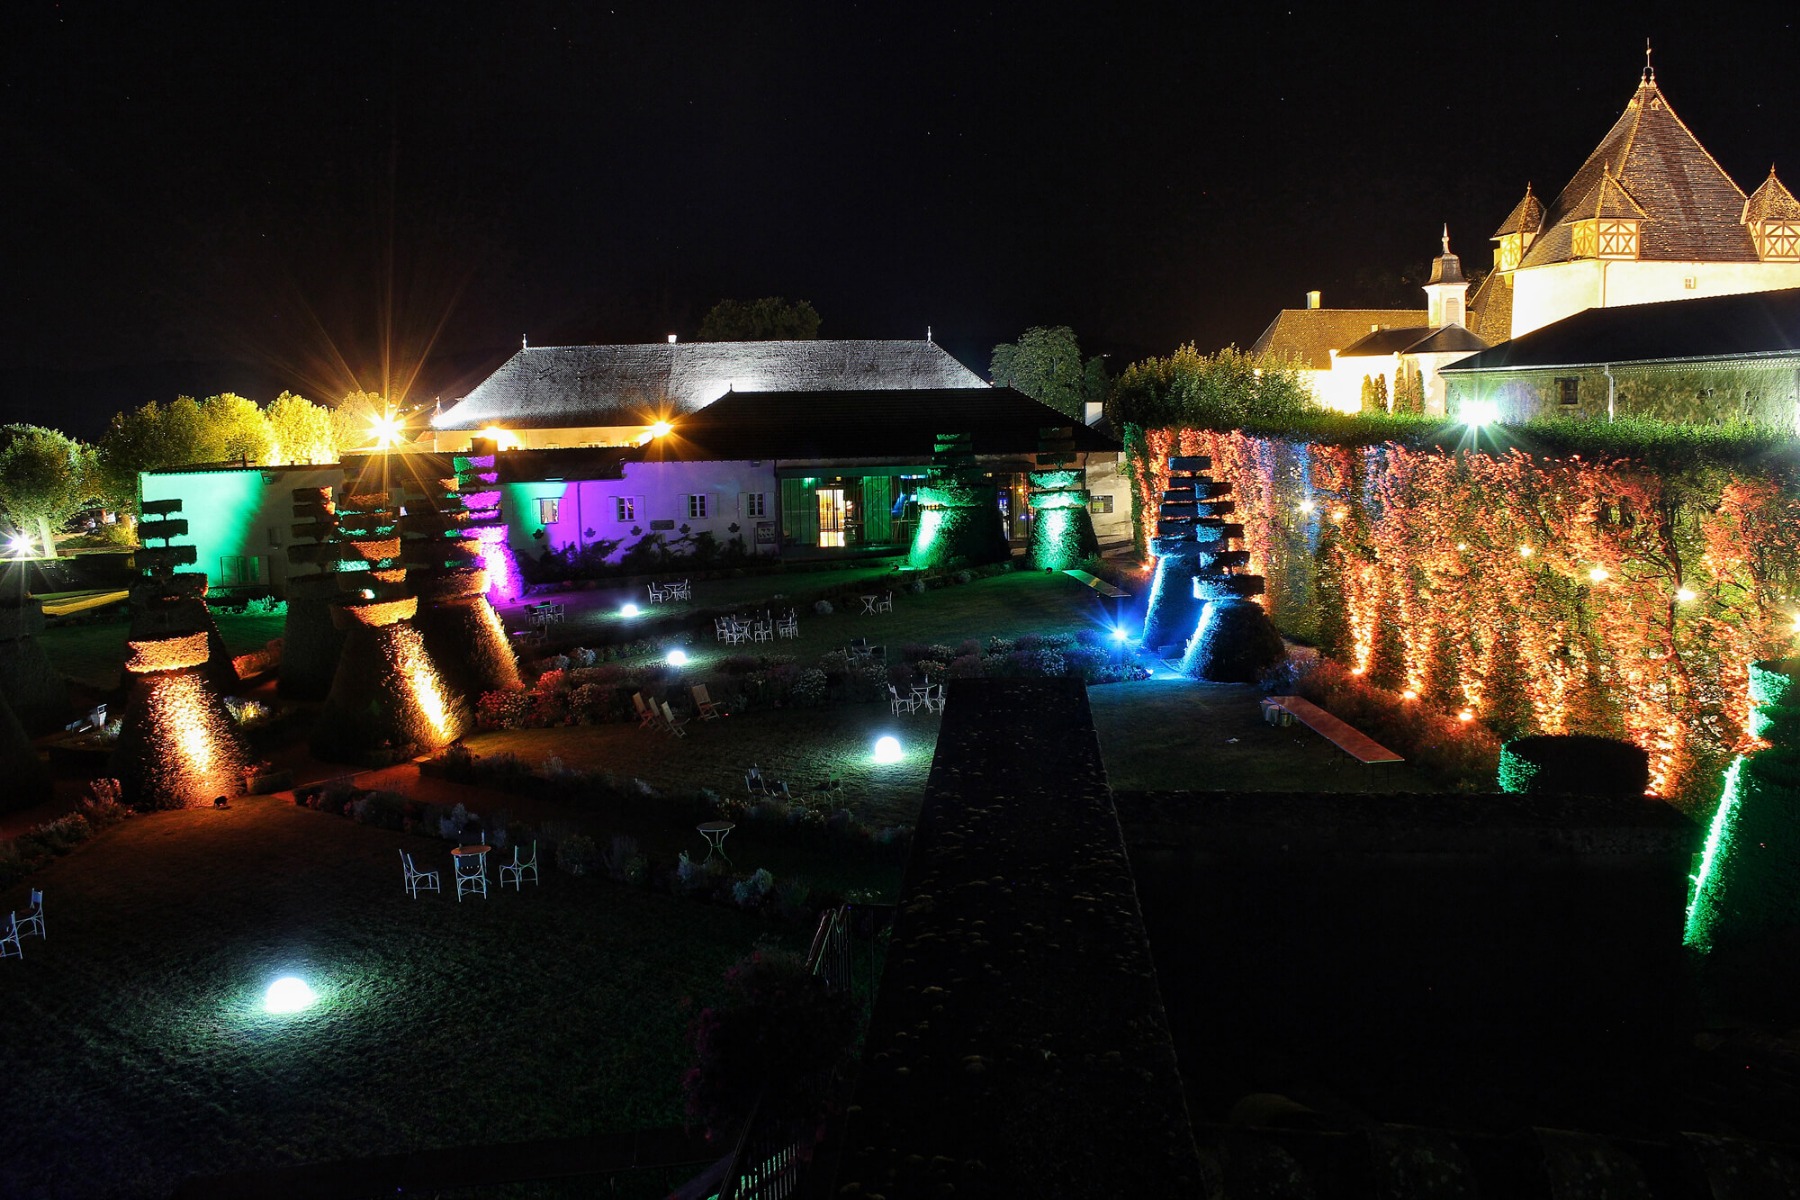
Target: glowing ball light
{"type": "Point", "coordinates": [676, 658]}
{"type": "Point", "coordinates": [1120, 635]}
{"type": "Point", "coordinates": [289, 994]}
{"type": "Point", "coordinates": [887, 750]}
{"type": "Point", "coordinates": [630, 610]}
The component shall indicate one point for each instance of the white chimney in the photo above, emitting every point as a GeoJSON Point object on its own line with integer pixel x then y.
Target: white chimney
{"type": "Point", "coordinates": [1312, 299]}
{"type": "Point", "coordinates": [1091, 412]}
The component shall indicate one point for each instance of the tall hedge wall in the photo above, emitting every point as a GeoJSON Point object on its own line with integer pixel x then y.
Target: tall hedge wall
{"type": "Point", "coordinates": [1543, 594]}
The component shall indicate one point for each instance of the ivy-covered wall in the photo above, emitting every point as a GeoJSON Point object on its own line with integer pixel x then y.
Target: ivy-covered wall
{"type": "Point", "coordinates": [1538, 595]}
{"type": "Point", "coordinates": [1721, 394]}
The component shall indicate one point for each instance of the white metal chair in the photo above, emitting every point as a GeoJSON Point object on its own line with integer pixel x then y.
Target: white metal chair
{"type": "Point", "coordinates": [471, 874]}
{"type": "Point", "coordinates": [764, 631]}
{"type": "Point", "coordinates": [517, 868]}
{"type": "Point", "coordinates": [934, 698]}
{"type": "Point", "coordinates": [788, 626]}
{"type": "Point", "coordinates": [898, 703]}
{"type": "Point", "coordinates": [704, 704]}
{"type": "Point", "coordinates": [9, 936]}
{"type": "Point", "coordinates": [34, 916]}
{"type": "Point", "coordinates": [722, 628]}
{"type": "Point", "coordinates": [671, 722]}
{"type": "Point", "coordinates": [417, 880]}
{"type": "Point", "coordinates": [885, 604]}
{"type": "Point", "coordinates": [679, 590]}
{"type": "Point", "coordinates": [657, 595]}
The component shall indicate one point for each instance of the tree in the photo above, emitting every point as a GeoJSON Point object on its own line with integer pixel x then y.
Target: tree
{"type": "Point", "coordinates": [353, 419]}
{"type": "Point", "coordinates": [1227, 390]}
{"type": "Point", "coordinates": [1046, 364]}
{"type": "Point", "coordinates": [773, 318]}
{"type": "Point", "coordinates": [238, 428]}
{"type": "Point", "coordinates": [44, 480]}
{"type": "Point", "coordinates": [300, 431]}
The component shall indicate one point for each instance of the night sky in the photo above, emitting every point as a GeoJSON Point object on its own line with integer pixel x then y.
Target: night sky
{"type": "Point", "coordinates": [287, 195]}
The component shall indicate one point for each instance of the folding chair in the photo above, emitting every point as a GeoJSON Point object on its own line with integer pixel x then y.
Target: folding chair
{"type": "Point", "coordinates": [657, 595]}
{"type": "Point", "coordinates": [885, 604]}
{"type": "Point", "coordinates": [518, 867]}
{"type": "Point", "coordinates": [754, 782]}
{"type": "Point", "coordinates": [704, 703]}
{"type": "Point", "coordinates": [34, 916]}
{"type": "Point", "coordinates": [417, 880]}
{"type": "Point", "coordinates": [646, 711]}
{"type": "Point", "coordinates": [898, 703]}
{"type": "Point", "coordinates": [722, 628]}
{"type": "Point", "coordinates": [671, 722]}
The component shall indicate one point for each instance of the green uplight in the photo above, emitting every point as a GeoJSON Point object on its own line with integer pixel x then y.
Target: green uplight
{"type": "Point", "coordinates": [289, 994]}
{"type": "Point", "coordinates": [1700, 913]}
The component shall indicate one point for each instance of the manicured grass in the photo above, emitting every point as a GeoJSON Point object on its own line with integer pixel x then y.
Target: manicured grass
{"type": "Point", "coordinates": [1171, 733]}
{"type": "Point", "coordinates": [138, 1052]}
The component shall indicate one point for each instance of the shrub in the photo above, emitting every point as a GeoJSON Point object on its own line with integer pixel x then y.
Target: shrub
{"type": "Point", "coordinates": [506, 709]}
{"type": "Point", "coordinates": [576, 854]}
{"type": "Point", "coordinates": [809, 688]}
{"type": "Point", "coordinates": [626, 862]}
{"type": "Point", "coordinates": [1573, 763]}
{"type": "Point", "coordinates": [967, 647]}
{"type": "Point", "coordinates": [777, 1035]}
{"type": "Point", "coordinates": [822, 608]}
{"type": "Point", "coordinates": [383, 810]}
{"type": "Point", "coordinates": [915, 586]}
{"type": "Point", "coordinates": [964, 576]}
{"type": "Point", "coordinates": [964, 666]}
{"type": "Point", "coordinates": [750, 892]}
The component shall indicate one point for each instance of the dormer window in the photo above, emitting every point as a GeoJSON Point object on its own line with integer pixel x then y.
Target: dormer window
{"type": "Point", "coordinates": [1777, 241]}
{"type": "Point", "coordinates": [1604, 237]}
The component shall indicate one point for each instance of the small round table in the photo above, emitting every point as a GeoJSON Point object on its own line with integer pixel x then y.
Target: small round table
{"type": "Point", "coordinates": [715, 833]}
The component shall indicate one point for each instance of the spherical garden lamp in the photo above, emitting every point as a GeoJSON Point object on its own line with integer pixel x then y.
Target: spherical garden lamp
{"type": "Point", "coordinates": [887, 750]}
{"type": "Point", "coordinates": [629, 610]}
{"type": "Point", "coordinates": [676, 658]}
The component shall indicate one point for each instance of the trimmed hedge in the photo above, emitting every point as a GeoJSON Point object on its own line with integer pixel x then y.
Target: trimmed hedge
{"type": "Point", "coordinates": [1571, 763]}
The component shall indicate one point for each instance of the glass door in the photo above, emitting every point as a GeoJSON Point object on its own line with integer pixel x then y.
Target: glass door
{"type": "Point", "coordinates": [832, 516]}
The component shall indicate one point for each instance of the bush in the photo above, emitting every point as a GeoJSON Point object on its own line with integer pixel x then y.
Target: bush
{"type": "Point", "coordinates": [777, 1034]}
{"type": "Point", "coordinates": [508, 709]}
{"type": "Point", "coordinates": [915, 586]}
{"type": "Point", "coordinates": [1573, 763]}
{"type": "Point", "coordinates": [751, 891]}
{"type": "Point", "coordinates": [576, 854]}
{"type": "Point", "coordinates": [822, 608]}
{"type": "Point", "coordinates": [626, 862]}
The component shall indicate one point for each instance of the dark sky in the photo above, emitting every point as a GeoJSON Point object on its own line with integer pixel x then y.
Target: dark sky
{"type": "Point", "coordinates": [281, 194]}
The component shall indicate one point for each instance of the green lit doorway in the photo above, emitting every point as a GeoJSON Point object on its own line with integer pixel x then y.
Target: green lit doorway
{"type": "Point", "coordinates": [834, 516]}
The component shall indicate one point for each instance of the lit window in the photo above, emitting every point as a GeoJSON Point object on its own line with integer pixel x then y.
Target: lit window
{"type": "Point", "coordinates": [755, 504]}
{"type": "Point", "coordinates": [548, 508]}
{"type": "Point", "coordinates": [1100, 504]}
{"type": "Point", "coordinates": [696, 506]}
{"type": "Point", "coordinates": [624, 508]}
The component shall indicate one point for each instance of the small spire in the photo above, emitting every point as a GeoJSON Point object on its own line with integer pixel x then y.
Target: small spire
{"type": "Point", "coordinates": [524, 341]}
{"type": "Point", "coordinates": [928, 328]}
{"type": "Point", "coordinates": [1649, 71]}
{"type": "Point", "coordinates": [1447, 234]}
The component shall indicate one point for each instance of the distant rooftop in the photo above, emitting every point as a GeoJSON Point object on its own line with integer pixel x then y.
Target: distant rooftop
{"type": "Point", "coordinates": [1752, 324]}
{"type": "Point", "coordinates": [1307, 336]}
{"type": "Point", "coordinates": [556, 387]}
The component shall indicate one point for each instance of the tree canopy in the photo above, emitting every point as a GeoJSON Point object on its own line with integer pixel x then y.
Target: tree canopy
{"type": "Point", "coordinates": [771, 319]}
{"type": "Point", "coordinates": [1046, 364]}
{"type": "Point", "coordinates": [44, 480]}
{"type": "Point", "coordinates": [1227, 390]}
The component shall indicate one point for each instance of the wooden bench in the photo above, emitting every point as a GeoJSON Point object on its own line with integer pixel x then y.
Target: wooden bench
{"type": "Point", "coordinates": [1099, 585]}
{"type": "Point", "coordinates": [1358, 745]}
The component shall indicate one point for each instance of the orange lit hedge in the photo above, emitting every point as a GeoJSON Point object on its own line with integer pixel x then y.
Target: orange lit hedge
{"type": "Point", "coordinates": [1541, 595]}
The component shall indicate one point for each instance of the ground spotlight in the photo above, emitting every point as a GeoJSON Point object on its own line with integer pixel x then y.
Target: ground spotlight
{"type": "Point", "coordinates": [887, 750]}
{"type": "Point", "coordinates": [289, 994]}
{"type": "Point", "coordinates": [676, 658]}
{"type": "Point", "coordinates": [630, 610]}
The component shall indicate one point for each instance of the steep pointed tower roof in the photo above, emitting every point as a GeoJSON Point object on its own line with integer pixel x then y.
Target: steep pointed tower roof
{"type": "Point", "coordinates": [1446, 267]}
{"type": "Point", "coordinates": [1771, 202]}
{"type": "Point", "coordinates": [1690, 208]}
{"type": "Point", "coordinates": [1527, 216]}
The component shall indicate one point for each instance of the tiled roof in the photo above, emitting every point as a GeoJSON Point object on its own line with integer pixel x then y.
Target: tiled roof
{"type": "Point", "coordinates": [1749, 324]}
{"type": "Point", "coordinates": [1771, 202]}
{"type": "Point", "coordinates": [1692, 208]}
{"type": "Point", "coordinates": [869, 424]}
{"type": "Point", "coordinates": [1420, 339]}
{"type": "Point", "coordinates": [572, 386]}
{"type": "Point", "coordinates": [1527, 216]}
{"type": "Point", "coordinates": [1607, 198]}
{"type": "Point", "coordinates": [1307, 336]}
{"type": "Point", "coordinates": [1490, 308]}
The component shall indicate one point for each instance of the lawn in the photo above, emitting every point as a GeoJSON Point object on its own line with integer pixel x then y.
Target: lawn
{"type": "Point", "coordinates": [137, 1051]}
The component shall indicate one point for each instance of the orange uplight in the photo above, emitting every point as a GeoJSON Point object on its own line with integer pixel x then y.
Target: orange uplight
{"type": "Point", "coordinates": [1465, 715]}
{"type": "Point", "coordinates": [1409, 694]}
{"type": "Point", "coordinates": [503, 439]}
